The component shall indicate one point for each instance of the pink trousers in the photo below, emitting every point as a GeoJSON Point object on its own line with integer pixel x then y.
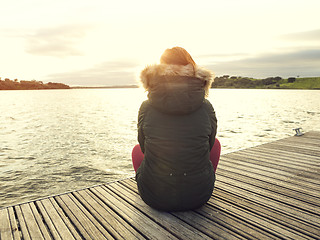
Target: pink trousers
{"type": "Point", "coordinates": [137, 155]}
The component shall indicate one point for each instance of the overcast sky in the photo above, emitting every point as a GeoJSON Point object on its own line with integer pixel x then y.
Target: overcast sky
{"type": "Point", "coordinates": [102, 42]}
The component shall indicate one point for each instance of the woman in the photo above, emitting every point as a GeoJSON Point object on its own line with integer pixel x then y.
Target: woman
{"type": "Point", "coordinates": [176, 131]}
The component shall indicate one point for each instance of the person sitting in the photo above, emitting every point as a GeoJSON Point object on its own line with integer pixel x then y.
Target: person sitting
{"type": "Point", "coordinates": [178, 153]}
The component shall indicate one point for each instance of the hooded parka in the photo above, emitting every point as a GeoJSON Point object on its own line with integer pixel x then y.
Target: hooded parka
{"type": "Point", "coordinates": [176, 131]}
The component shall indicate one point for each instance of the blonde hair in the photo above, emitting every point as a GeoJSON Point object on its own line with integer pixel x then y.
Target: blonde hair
{"type": "Point", "coordinates": [177, 56]}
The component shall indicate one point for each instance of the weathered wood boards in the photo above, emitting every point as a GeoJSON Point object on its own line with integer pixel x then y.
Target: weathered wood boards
{"type": "Point", "coordinates": [269, 191]}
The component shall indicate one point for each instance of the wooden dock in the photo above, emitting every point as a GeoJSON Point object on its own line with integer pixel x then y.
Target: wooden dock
{"type": "Point", "coordinates": [271, 191]}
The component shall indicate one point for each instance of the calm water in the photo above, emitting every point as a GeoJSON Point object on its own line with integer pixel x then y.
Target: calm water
{"type": "Point", "coordinates": [54, 141]}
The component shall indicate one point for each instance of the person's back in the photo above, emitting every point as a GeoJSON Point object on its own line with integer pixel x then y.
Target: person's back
{"type": "Point", "coordinates": [176, 131]}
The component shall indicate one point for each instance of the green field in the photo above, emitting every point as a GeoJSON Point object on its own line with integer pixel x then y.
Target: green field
{"type": "Point", "coordinates": [267, 83]}
{"type": "Point", "coordinates": [302, 83]}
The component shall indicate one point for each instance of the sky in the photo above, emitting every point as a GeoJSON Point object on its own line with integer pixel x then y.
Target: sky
{"type": "Point", "coordinates": [108, 43]}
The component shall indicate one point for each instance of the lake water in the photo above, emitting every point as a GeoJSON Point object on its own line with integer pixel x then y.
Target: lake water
{"type": "Point", "coordinates": [53, 141]}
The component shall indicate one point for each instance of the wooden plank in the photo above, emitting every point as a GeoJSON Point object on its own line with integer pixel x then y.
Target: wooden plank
{"type": "Point", "coordinates": [39, 221]}
{"type": "Point", "coordinates": [278, 159]}
{"type": "Point", "coordinates": [252, 177]}
{"type": "Point", "coordinates": [55, 223]}
{"type": "Point", "coordinates": [311, 172]}
{"type": "Point", "coordinates": [266, 212]}
{"type": "Point", "coordinates": [291, 160]}
{"type": "Point", "coordinates": [14, 225]}
{"type": "Point", "coordinates": [249, 161]}
{"type": "Point", "coordinates": [133, 216]}
{"type": "Point", "coordinates": [270, 203]}
{"type": "Point", "coordinates": [255, 219]}
{"type": "Point", "coordinates": [76, 220]}
{"type": "Point", "coordinates": [227, 219]}
{"type": "Point", "coordinates": [303, 141]}
{"type": "Point", "coordinates": [317, 133]}
{"type": "Point", "coordinates": [22, 223]}
{"type": "Point", "coordinates": [283, 155]}
{"type": "Point", "coordinates": [296, 158]}
{"type": "Point", "coordinates": [211, 228]}
{"type": "Point", "coordinates": [65, 219]}
{"type": "Point", "coordinates": [228, 226]}
{"type": "Point", "coordinates": [283, 152]}
{"type": "Point", "coordinates": [166, 220]}
{"type": "Point", "coordinates": [85, 223]}
{"type": "Point", "coordinates": [308, 187]}
{"type": "Point", "coordinates": [5, 226]}
{"type": "Point", "coordinates": [312, 135]}
{"type": "Point", "coordinates": [275, 189]}
{"type": "Point", "coordinates": [48, 220]}
{"type": "Point", "coordinates": [109, 219]}
{"type": "Point", "coordinates": [312, 183]}
{"type": "Point", "coordinates": [310, 178]}
{"type": "Point", "coordinates": [290, 220]}
{"type": "Point", "coordinates": [249, 224]}
{"type": "Point", "coordinates": [307, 192]}
{"type": "Point", "coordinates": [31, 222]}
{"type": "Point", "coordinates": [298, 145]}
{"type": "Point", "coordinates": [312, 209]}
{"type": "Point", "coordinates": [289, 148]}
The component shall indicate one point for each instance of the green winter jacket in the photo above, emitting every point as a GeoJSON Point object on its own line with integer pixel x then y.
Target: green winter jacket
{"type": "Point", "coordinates": [176, 131]}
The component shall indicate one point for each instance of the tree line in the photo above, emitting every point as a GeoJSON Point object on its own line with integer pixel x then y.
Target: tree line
{"type": "Point", "coordinates": [226, 81]}
{"type": "Point", "coordinates": [8, 84]}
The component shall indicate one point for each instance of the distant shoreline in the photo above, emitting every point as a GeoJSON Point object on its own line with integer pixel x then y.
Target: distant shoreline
{"type": "Point", "coordinates": [235, 82]}
{"type": "Point", "coordinates": [222, 82]}
{"type": "Point", "coordinates": [104, 87]}
{"type": "Point", "coordinates": [211, 88]}
{"type": "Point", "coordinates": [8, 84]}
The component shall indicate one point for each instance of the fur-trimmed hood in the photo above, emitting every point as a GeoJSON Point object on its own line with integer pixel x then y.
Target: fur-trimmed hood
{"type": "Point", "coordinates": [176, 89]}
{"type": "Point", "coordinates": [148, 75]}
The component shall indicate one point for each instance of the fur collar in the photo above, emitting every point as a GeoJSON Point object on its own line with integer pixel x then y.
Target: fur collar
{"type": "Point", "coordinates": [149, 72]}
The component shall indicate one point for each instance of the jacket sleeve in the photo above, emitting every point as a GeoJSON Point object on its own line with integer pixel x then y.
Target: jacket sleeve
{"type": "Point", "coordinates": [213, 120]}
{"type": "Point", "coordinates": [141, 116]}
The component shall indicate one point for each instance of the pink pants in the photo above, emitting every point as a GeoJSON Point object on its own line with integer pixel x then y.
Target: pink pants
{"type": "Point", "coordinates": [137, 155]}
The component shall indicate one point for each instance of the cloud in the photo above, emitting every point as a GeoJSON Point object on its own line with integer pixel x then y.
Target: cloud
{"type": "Point", "coordinates": [219, 57]}
{"type": "Point", "coordinates": [112, 73]}
{"type": "Point", "coordinates": [301, 62]}
{"type": "Point", "coordinates": [58, 41]}
{"type": "Point", "coordinates": [313, 35]}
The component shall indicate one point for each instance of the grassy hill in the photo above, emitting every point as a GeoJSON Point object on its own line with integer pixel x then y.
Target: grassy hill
{"type": "Point", "coordinates": [303, 83]}
{"type": "Point", "coordinates": [267, 83]}
{"type": "Point", "coordinates": [8, 84]}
